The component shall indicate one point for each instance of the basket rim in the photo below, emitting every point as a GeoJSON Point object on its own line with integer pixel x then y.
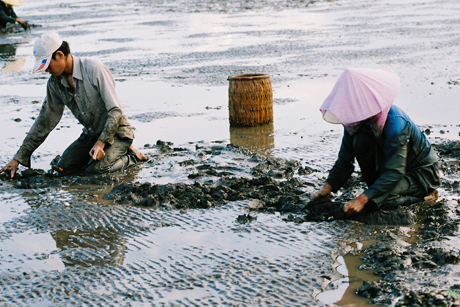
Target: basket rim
{"type": "Point", "coordinates": [248, 77]}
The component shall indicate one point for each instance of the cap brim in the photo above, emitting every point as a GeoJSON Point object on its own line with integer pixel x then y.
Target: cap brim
{"type": "Point", "coordinates": [42, 64]}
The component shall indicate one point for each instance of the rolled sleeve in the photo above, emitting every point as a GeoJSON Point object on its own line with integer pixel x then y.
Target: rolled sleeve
{"type": "Point", "coordinates": [105, 84]}
{"type": "Point", "coordinates": [111, 126]}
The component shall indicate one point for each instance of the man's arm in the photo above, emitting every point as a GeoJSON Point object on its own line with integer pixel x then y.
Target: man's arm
{"type": "Point", "coordinates": [50, 115]}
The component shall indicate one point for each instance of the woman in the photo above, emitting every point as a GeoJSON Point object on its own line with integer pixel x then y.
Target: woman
{"type": "Point", "coordinates": [7, 14]}
{"type": "Point", "coordinates": [394, 155]}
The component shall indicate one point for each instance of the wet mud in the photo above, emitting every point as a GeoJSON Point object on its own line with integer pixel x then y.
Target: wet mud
{"type": "Point", "coordinates": [409, 271]}
{"type": "Point", "coordinates": [17, 28]}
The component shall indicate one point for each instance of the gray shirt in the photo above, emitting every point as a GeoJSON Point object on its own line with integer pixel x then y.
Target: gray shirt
{"type": "Point", "coordinates": [94, 103]}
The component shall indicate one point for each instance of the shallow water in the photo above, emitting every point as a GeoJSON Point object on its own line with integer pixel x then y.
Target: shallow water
{"type": "Point", "coordinates": [171, 60]}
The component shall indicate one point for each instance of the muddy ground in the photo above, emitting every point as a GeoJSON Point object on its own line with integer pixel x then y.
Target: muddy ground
{"type": "Point", "coordinates": [410, 272]}
{"type": "Point", "coordinates": [220, 215]}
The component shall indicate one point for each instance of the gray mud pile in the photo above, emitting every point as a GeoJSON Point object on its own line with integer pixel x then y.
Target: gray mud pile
{"type": "Point", "coordinates": [276, 196]}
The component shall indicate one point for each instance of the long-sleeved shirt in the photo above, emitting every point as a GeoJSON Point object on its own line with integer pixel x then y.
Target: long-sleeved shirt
{"type": "Point", "coordinates": [94, 103]}
{"type": "Point", "coordinates": [404, 149]}
{"type": "Point", "coordinates": [6, 15]}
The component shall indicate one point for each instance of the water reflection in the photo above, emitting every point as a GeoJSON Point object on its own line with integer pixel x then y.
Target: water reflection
{"type": "Point", "coordinates": [344, 293]}
{"type": "Point", "coordinates": [88, 238]}
{"type": "Point", "coordinates": [90, 247]}
{"type": "Point", "coordinates": [260, 139]}
{"type": "Point", "coordinates": [7, 51]}
{"type": "Point", "coordinates": [7, 54]}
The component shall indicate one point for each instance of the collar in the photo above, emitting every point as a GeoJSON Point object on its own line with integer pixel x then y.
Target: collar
{"type": "Point", "coordinates": [76, 71]}
{"type": "Point", "coordinates": [77, 68]}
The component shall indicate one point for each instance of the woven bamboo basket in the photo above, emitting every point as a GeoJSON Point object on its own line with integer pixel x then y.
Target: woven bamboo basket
{"type": "Point", "coordinates": [250, 100]}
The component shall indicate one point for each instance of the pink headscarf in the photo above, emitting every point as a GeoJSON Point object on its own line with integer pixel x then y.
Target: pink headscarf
{"type": "Point", "coordinates": [360, 94]}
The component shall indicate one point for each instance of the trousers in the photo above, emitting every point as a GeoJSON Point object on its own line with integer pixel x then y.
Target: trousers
{"type": "Point", "coordinates": [76, 158]}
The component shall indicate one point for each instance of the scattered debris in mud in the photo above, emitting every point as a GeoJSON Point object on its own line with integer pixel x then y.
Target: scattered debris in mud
{"type": "Point", "coordinates": [449, 149]}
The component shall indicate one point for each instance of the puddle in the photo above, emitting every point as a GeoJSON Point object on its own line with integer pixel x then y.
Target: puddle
{"type": "Point", "coordinates": [12, 206]}
{"type": "Point", "coordinates": [343, 292]}
{"type": "Point", "coordinates": [233, 261]}
{"type": "Point", "coordinates": [29, 251]}
{"type": "Point", "coordinates": [7, 51]}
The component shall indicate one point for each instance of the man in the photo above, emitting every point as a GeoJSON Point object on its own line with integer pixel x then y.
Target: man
{"type": "Point", "coordinates": [7, 14]}
{"type": "Point", "coordinates": [87, 88]}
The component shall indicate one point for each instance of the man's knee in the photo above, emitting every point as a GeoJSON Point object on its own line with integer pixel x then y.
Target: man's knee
{"type": "Point", "coordinates": [97, 167]}
{"type": "Point", "coordinates": [106, 166]}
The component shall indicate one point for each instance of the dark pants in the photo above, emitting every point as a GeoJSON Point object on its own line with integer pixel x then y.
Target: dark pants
{"type": "Point", "coordinates": [76, 158]}
{"type": "Point", "coordinates": [370, 158]}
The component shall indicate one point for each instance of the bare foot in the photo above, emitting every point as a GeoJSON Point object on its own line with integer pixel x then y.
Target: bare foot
{"type": "Point", "coordinates": [140, 155]}
{"type": "Point", "coordinates": [432, 196]}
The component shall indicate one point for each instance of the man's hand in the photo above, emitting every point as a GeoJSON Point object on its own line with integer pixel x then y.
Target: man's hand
{"type": "Point", "coordinates": [10, 168]}
{"type": "Point", "coordinates": [97, 152]}
{"type": "Point", "coordinates": [356, 205]}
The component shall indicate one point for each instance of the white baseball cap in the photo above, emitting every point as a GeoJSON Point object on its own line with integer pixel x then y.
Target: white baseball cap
{"type": "Point", "coordinates": [44, 48]}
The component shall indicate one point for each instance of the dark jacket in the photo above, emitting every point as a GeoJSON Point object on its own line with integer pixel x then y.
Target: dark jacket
{"type": "Point", "coordinates": [6, 14]}
{"type": "Point", "coordinates": [403, 150]}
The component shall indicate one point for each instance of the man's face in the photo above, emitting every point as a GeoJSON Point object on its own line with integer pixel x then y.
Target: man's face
{"type": "Point", "coordinates": [57, 66]}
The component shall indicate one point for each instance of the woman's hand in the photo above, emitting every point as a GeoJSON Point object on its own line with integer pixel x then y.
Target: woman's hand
{"type": "Point", "coordinates": [356, 205]}
{"type": "Point", "coordinates": [322, 194]}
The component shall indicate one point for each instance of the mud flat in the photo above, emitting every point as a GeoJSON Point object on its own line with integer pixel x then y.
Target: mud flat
{"type": "Point", "coordinates": [221, 215]}
{"type": "Point", "coordinates": [416, 268]}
